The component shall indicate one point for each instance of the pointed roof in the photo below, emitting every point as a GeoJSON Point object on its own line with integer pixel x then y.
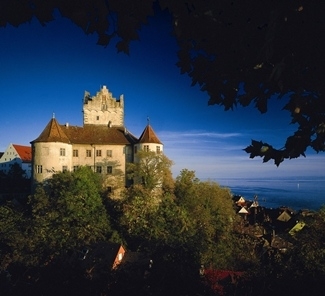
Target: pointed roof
{"type": "Point", "coordinates": [149, 136]}
{"type": "Point", "coordinates": [284, 217]}
{"type": "Point", "coordinates": [254, 204]}
{"type": "Point", "coordinates": [52, 133]}
{"type": "Point", "coordinates": [24, 152]}
{"type": "Point", "coordinates": [243, 211]}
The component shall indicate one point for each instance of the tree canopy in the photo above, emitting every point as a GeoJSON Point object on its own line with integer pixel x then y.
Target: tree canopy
{"type": "Point", "coordinates": [191, 217]}
{"type": "Point", "coordinates": [65, 213]}
{"type": "Point", "coordinates": [240, 52]}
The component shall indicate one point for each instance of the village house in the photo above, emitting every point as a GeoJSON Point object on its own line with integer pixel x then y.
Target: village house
{"type": "Point", "coordinates": [103, 143]}
{"type": "Point", "coordinates": [17, 154]}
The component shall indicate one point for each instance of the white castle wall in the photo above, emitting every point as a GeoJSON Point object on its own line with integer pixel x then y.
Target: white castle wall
{"type": "Point", "coordinates": [48, 156]}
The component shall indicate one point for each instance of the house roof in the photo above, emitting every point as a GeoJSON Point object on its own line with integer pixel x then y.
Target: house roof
{"type": "Point", "coordinates": [52, 133]}
{"type": "Point", "coordinates": [103, 253]}
{"type": "Point", "coordinates": [98, 134]}
{"type": "Point", "coordinates": [149, 136]}
{"type": "Point", "coordinates": [24, 152]}
{"type": "Point", "coordinates": [88, 134]}
{"type": "Point", "coordinates": [237, 198]}
{"type": "Point", "coordinates": [297, 228]}
{"type": "Point", "coordinates": [284, 217]}
{"type": "Point", "coordinates": [243, 211]}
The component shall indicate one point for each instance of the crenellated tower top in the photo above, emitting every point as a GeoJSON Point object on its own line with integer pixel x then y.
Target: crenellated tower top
{"type": "Point", "coordinates": [103, 109]}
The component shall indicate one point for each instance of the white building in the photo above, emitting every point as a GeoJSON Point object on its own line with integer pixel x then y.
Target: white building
{"type": "Point", "coordinates": [17, 154]}
{"type": "Point", "coordinates": [102, 143]}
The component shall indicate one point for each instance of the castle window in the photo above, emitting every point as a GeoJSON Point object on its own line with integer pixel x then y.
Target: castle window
{"type": "Point", "coordinates": [97, 117]}
{"type": "Point", "coordinates": [39, 169]}
{"type": "Point", "coordinates": [109, 153]}
{"type": "Point", "coordinates": [98, 169]}
{"type": "Point", "coordinates": [75, 167]}
{"type": "Point", "coordinates": [109, 189]}
{"type": "Point", "coordinates": [64, 168]}
{"type": "Point", "coordinates": [109, 169]}
{"type": "Point", "coordinates": [62, 151]}
{"type": "Point", "coordinates": [88, 153]}
{"type": "Point", "coordinates": [158, 149]}
{"type": "Point", "coordinates": [75, 153]}
{"type": "Point", "coordinates": [98, 152]}
{"type": "Point", "coordinates": [146, 148]}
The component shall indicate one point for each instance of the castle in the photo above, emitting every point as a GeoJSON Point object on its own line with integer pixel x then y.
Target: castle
{"type": "Point", "coordinates": [103, 143]}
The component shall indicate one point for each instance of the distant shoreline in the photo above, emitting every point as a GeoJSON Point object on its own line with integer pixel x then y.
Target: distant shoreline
{"type": "Point", "coordinates": [296, 193]}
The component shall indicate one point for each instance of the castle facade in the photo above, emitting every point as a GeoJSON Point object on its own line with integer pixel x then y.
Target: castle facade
{"type": "Point", "coordinates": [103, 143]}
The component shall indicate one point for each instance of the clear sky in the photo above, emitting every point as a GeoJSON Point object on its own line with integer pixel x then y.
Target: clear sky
{"type": "Point", "coordinates": [45, 70]}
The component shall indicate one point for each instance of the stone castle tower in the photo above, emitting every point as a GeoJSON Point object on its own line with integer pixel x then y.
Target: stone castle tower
{"type": "Point", "coordinates": [103, 109]}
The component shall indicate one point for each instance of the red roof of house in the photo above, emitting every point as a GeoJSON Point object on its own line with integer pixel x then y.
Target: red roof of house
{"type": "Point", "coordinates": [88, 134]}
{"type": "Point", "coordinates": [149, 136]}
{"type": "Point", "coordinates": [24, 152]}
{"type": "Point", "coordinates": [52, 133]}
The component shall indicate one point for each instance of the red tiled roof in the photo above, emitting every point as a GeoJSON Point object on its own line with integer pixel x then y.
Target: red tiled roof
{"type": "Point", "coordinates": [88, 134]}
{"type": "Point", "coordinates": [149, 136]}
{"type": "Point", "coordinates": [24, 152]}
{"type": "Point", "coordinates": [52, 133]}
{"type": "Point", "coordinates": [98, 134]}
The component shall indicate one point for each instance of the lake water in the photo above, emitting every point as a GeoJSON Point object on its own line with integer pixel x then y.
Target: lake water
{"type": "Point", "coordinates": [297, 193]}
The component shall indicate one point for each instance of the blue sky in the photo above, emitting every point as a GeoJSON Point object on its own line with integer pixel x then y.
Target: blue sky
{"type": "Point", "coordinates": [45, 70]}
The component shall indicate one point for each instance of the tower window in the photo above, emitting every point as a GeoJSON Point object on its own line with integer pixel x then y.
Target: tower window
{"type": "Point", "coordinates": [158, 149]}
{"type": "Point", "coordinates": [62, 151]}
{"type": "Point", "coordinates": [39, 169]}
{"type": "Point", "coordinates": [146, 148]}
{"type": "Point", "coordinates": [97, 117]}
